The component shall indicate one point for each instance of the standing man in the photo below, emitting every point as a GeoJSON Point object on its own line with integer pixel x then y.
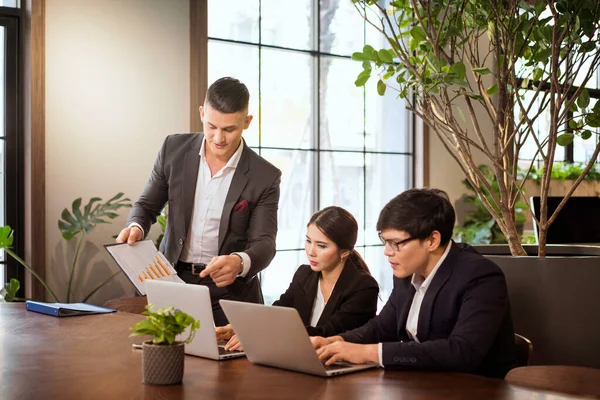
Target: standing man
{"type": "Point", "coordinates": [449, 309]}
{"type": "Point", "coordinates": [223, 200]}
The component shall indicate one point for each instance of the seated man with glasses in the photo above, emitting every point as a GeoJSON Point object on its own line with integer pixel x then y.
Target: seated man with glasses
{"type": "Point", "coordinates": [449, 309]}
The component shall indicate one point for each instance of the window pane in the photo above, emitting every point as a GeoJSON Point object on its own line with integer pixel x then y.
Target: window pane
{"type": "Point", "coordinates": [388, 175]}
{"type": "Point", "coordinates": [541, 126]}
{"type": "Point", "coordinates": [295, 199]}
{"type": "Point", "coordinates": [9, 3]}
{"type": "Point", "coordinates": [291, 29]}
{"type": "Point", "coordinates": [233, 19]}
{"type": "Point", "coordinates": [584, 149]}
{"type": "Point", "coordinates": [277, 277]}
{"type": "Point", "coordinates": [286, 103]}
{"type": "Point", "coordinates": [341, 183]}
{"type": "Point", "coordinates": [342, 105]}
{"type": "Point", "coordinates": [241, 62]}
{"type": "Point", "coordinates": [387, 123]}
{"type": "Point", "coordinates": [342, 28]}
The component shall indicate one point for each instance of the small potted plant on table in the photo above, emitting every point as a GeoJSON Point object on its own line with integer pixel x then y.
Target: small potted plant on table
{"type": "Point", "coordinates": [162, 357]}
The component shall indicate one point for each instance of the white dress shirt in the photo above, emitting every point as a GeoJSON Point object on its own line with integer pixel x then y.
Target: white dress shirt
{"type": "Point", "coordinates": [420, 284]}
{"type": "Point", "coordinates": [202, 242]}
{"type": "Point", "coordinates": [319, 305]}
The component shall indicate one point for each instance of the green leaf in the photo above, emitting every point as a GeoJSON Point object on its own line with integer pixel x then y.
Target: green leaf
{"type": "Point", "coordinates": [475, 96]}
{"type": "Point", "coordinates": [585, 135]}
{"type": "Point", "coordinates": [538, 73]}
{"type": "Point", "coordinates": [357, 56]}
{"type": "Point", "coordinates": [6, 237]}
{"type": "Point", "coordinates": [418, 34]}
{"type": "Point", "coordinates": [459, 69]}
{"type": "Point", "coordinates": [9, 292]}
{"type": "Point", "coordinates": [565, 139]}
{"type": "Point", "coordinates": [593, 120]}
{"type": "Point", "coordinates": [583, 100]}
{"type": "Point", "coordinates": [386, 56]}
{"type": "Point", "coordinates": [363, 77]}
{"type": "Point", "coordinates": [366, 65]}
{"type": "Point", "coordinates": [381, 87]}
{"type": "Point", "coordinates": [368, 51]}
{"type": "Point", "coordinates": [492, 90]}
{"type": "Point", "coordinates": [482, 71]}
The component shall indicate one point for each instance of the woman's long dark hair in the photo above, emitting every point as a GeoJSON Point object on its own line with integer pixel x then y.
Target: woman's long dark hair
{"type": "Point", "coordinates": [342, 229]}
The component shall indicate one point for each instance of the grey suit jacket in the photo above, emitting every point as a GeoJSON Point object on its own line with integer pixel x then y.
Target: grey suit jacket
{"type": "Point", "coordinates": [251, 229]}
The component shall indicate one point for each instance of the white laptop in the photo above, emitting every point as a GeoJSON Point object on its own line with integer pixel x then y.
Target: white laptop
{"type": "Point", "coordinates": [276, 336]}
{"type": "Point", "coordinates": [195, 301]}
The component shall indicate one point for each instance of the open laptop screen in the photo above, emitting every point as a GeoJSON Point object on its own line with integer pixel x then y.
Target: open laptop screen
{"type": "Point", "coordinates": [577, 222]}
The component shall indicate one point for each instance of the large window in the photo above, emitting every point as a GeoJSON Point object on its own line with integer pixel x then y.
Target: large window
{"type": "Point", "coordinates": [336, 144]}
{"type": "Point", "coordinates": [11, 145]}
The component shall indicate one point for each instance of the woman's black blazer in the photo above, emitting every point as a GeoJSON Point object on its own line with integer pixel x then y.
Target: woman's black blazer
{"type": "Point", "coordinates": [352, 303]}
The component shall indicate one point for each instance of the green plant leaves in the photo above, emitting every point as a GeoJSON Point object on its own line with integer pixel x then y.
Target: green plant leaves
{"type": "Point", "coordinates": [75, 222]}
{"type": "Point", "coordinates": [482, 71]}
{"type": "Point", "coordinates": [386, 55]}
{"type": "Point", "coordinates": [381, 87]}
{"type": "Point", "coordinates": [459, 69]}
{"type": "Point", "coordinates": [6, 237]}
{"type": "Point", "coordinates": [584, 99]}
{"type": "Point", "coordinates": [9, 291]}
{"type": "Point", "coordinates": [565, 139]}
{"type": "Point", "coordinates": [165, 324]}
{"type": "Point", "coordinates": [358, 56]}
{"type": "Point", "coordinates": [492, 90]}
{"type": "Point", "coordinates": [418, 34]}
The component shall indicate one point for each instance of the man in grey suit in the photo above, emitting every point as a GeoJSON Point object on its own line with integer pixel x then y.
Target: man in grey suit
{"type": "Point", "coordinates": [223, 200]}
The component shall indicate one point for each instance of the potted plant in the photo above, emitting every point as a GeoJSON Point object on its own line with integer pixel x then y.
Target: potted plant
{"type": "Point", "coordinates": [491, 79]}
{"type": "Point", "coordinates": [77, 223]}
{"type": "Point", "coordinates": [163, 356]}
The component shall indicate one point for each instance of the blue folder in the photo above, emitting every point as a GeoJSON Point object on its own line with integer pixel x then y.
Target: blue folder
{"type": "Point", "coordinates": [65, 309]}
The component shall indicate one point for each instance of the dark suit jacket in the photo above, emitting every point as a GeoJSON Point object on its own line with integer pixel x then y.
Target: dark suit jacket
{"type": "Point", "coordinates": [464, 321]}
{"type": "Point", "coordinates": [352, 303]}
{"type": "Point", "coordinates": [251, 230]}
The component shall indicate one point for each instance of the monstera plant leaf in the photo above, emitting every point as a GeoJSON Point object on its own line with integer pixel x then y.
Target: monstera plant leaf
{"type": "Point", "coordinates": [9, 291]}
{"type": "Point", "coordinates": [77, 220]}
{"type": "Point", "coordinates": [6, 237]}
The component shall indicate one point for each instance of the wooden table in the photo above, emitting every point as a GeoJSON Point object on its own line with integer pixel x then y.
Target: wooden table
{"type": "Point", "coordinates": [90, 357]}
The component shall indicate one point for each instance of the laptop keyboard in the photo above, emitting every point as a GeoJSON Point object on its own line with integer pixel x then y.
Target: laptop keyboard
{"type": "Point", "coordinates": [223, 351]}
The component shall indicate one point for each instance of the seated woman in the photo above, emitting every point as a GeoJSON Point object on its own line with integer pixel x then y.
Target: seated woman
{"type": "Point", "coordinates": [336, 292]}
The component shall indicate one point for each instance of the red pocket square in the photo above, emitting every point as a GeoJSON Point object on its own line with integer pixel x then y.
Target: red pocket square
{"type": "Point", "coordinates": [242, 205]}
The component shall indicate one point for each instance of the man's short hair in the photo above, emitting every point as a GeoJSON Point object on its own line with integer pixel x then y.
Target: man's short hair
{"type": "Point", "coordinates": [228, 95]}
{"type": "Point", "coordinates": [419, 212]}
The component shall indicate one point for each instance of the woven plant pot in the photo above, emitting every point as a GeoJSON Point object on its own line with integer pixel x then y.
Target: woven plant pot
{"type": "Point", "coordinates": [162, 364]}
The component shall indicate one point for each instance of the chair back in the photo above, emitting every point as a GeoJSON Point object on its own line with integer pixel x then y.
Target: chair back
{"type": "Point", "coordinates": [133, 305]}
{"type": "Point", "coordinates": [581, 381]}
{"type": "Point", "coordinates": [523, 349]}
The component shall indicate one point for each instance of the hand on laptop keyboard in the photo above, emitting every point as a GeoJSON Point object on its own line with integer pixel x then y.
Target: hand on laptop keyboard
{"type": "Point", "coordinates": [234, 344]}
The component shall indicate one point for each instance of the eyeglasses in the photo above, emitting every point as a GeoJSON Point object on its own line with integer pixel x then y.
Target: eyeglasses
{"type": "Point", "coordinates": [396, 245]}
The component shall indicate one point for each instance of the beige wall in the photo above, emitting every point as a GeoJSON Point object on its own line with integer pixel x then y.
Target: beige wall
{"type": "Point", "coordinates": [444, 172]}
{"type": "Point", "coordinates": [117, 82]}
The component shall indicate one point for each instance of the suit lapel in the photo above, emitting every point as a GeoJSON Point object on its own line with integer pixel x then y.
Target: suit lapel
{"type": "Point", "coordinates": [311, 285]}
{"type": "Point", "coordinates": [238, 183]}
{"type": "Point", "coordinates": [342, 283]}
{"type": "Point", "coordinates": [439, 280]}
{"type": "Point", "coordinates": [403, 313]}
{"type": "Point", "coordinates": [191, 165]}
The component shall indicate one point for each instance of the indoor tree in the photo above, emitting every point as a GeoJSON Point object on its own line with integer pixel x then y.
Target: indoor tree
{"type": "Point", "coordinates": [482, 74]}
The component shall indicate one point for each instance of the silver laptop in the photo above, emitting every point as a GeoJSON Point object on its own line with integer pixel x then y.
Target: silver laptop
{"type": "Point", "coordinates": [276, 336]}
{"type": "Point", "coordinates": [195, 301]}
